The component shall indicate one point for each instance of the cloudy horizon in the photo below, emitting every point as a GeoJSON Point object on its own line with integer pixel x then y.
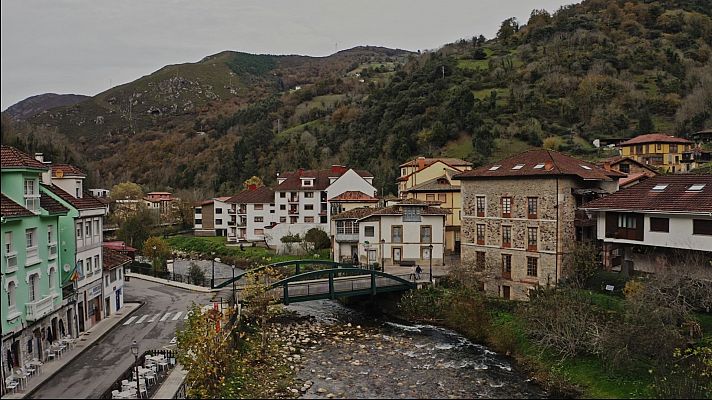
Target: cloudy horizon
{"type": "Point", "coordinates": [86, 47]}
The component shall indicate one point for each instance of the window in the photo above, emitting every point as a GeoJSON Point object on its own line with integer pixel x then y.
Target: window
{"type": "Point", "coordinates": [494, 167]}
{"type": "Point", "coordinates": [532, 207]}
{"type": "Point", "coordinates": [97, 266]}
{"type": "Point", "coordinates": [506, 236]}
{"type": "Point", "coordinates": [198, 221]}
{"type": "Point", "coordinates": [106, 280]}
{"type": "Point", "coordinates": [697, 187]}
{"type": "Point", "coordinates": [259, 232]}
{"type": "Point", "coordinates": [259, 219]}
{"type": "Point", "coordinates": [480, 233]}
{"type": "Point", "coordinates": [307, 182]}
{"type": "Point", "coordinates": [218, 221]}
{"type": "Point", "coordinates": [506, 207]}
{"type": "Point", "coordinates": [506, 266]}
{"type": "Point", "coordinates": [198, 210]}
{"type": "Point", "coordinates": [8, 243]}
{"type": "Point", "coordinates": [426, 234]}
{"type": "Point", "coordinates": [87, 229]}
{"type": "Point", "coordinates": [702, 226]}
{"type": "Point", "coordinates": [659, 224]}
{"type": "Point", "coordinates": [52, 278]}
{"type": "Point", "coordinates": [586, 167]}
{"type": "Point", "coordinates": [659, 146]}
{"type": "Point", "coordinates": [282, 195]}
{"type": "Point", "coordinates": [369, 231]}
{"type": "Point", "coordinates": [50, 234]}
{"type": "Point", "coordinates": [308, 207]}
{"type": "Point", "coordinates": [31, 238]}
{"type": "Point", "coordinates": [442, 197]}
{"type": "Point", "coordinates": [532, 238]}
{"type": "Point", "coordinates": [429, 197]}
{"type": "Point", "coordinates": [660, 187]}
{"type": "Point", "coordinates": [539, 166]}
{"type": "Point", "coordinates": [119, 273]}
{"type": "Point", "coordinates": [218, 211]}
{"type": "Point", "coordinates": [308, 220]}
{"type": "Point", "coordinates": [411, 214]}
{"type": "Point", "coordinates": [34, 287]}
{"type": "Point", "coordinates": [282, 219]}
{"type": "Point", "coordinates": [259, 207]}
{"type": "Point", "coordinates": [11, 296]}
{"type": "Point", "coordinates": [308, 195]}
{"type": "Point", "coordinates": [97, 227]}
{"type": "Point", "coordinates": [480, 202]}
{"type": "Point", "coordinates": [480, 259]}
{"type": "Point", "coordinates": [628, 221]}
{"type": "Point", "coordinates": [425, 253]}
{"type": "Point", "coordinates": [88, 264]}
{"type": "Point", "coordinates": [673, 148]}
{"type": "Point", "coordinates": [78, 189]}
{"type": "Point", "coordinates": [639, 149]}
{"type": "Point", "coordinates": [282, 206]}
{"type": "Point", "coordinates": [113, 274]}
{"type": "Point", "coordinates": [397, 234]}
{"type": "Point", "coordinates": [518, 166]}
{"type": "Point", "coordinates": [625, 168]}
{"type": "Point", "coordinates": [32, 196]}
{"type": "Point", "coordinates": [80, 267]}
{"type": "Point", "coordinates": [532, 266]}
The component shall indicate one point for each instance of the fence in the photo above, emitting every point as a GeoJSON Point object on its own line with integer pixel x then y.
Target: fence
{"type": "Point", "coordinates": [147, 269]}
{"type": "Point", "coordinates": [128, 373]}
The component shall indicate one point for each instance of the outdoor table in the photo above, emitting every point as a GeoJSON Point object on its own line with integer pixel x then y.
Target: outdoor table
{"type": "Point", "coordinates": [21, 378]}
{"type": "Point", "coordinates": [37, 365]}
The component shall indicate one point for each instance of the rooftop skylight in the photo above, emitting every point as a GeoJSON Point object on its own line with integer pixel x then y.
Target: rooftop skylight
{"type": "Point", "coordinates": [660, 187]}
{"type": "Point", "coordinates": [518, 166]}
{"type": "Point", "coordinates": [494, 167]}
{"type": "Point", "coordinates": [539, 166]}
{"type": "Point", "coordinates": [585, 167]}
{"type": "Point", "coordinates": [697, 187]}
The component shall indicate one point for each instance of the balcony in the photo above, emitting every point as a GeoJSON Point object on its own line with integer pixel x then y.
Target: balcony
{"type": "Point", "coordinates": [242, 210]}
{"type": "Point", "coordinates": [231, 223]}
{"type": "Point", "coordinates": [231, 211]}
{"type": "Point", "coordinates": [69, 294]}
{"type": "Point", "coordinates": [40, 308]}
{"type": "Point", "coordinates": [52, 251]}
{"type": "Point", "coordinates": [347, 237]}
{"type": "Point", "coordinates": [293, 211]}
{"type": "Point", "coordinates": [11, 262]}
{"type": "Point", "coordinates": [293, 199]}
{"type": "Point", "coordinates": [581, 218]}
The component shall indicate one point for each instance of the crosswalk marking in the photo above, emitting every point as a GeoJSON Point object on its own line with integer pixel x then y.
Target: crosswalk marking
{"type": "Point", "coordinates": [154, 317]}
{"type": "Point", "coordinates": [142, 319]}
{"type": "Point", "coordinates": [177, 315]}
{"type": "Point", "coordinates": [187, 315]}
{"type": "Point", "coordinates": [130, 319]}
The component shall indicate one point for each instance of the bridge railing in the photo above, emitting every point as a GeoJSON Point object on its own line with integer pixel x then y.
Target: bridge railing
{"type": "Point", "coordinates": [293, 267]}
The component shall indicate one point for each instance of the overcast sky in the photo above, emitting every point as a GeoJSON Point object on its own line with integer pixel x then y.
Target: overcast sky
{"type": "Point", "coordinates": [88, 46]}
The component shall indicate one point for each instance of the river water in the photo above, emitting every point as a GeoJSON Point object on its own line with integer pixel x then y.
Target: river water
{"type": "Point", "coordinates": [351, 354]}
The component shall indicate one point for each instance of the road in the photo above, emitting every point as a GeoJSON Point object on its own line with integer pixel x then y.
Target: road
{"type": "Point", "coordinates": [152, 326]}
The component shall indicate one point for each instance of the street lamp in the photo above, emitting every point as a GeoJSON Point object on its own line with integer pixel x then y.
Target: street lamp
{"type": "Point", "coordinates": [154, 260]}
{"type": "Point", "coordinates": [367, 246]}
{"type": "Point", "coordinates": [212, 277]}
{"type": "Point", "coordinates": [383, 255]}
{"type": "Point", "coordinates": [134, 351]}
{"type": "Point", "coordinates": [234, 301]}
{"type": "Point", "coordinates": [430, 246]}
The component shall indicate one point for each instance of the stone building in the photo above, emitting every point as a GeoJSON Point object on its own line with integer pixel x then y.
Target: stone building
{"type": "Point", "coordinates": [520, 218]}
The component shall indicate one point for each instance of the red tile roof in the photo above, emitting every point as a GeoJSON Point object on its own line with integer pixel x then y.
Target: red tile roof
{"type": "Point", "coordinates": [454, 162]}
{"type": "Point", "coordinates": [364, 212]}
{"type": "Point", "coordinates": [10, 209]}
{"type": "Point", "coordinates": [260, 195]}
{"type": "Point", "coordinates": [11, 157]}
{"type": "Point", "coordinates": [550, 163]}
{"type": "Point", "coordinates": [113, 259]}
{"type": "Point", "coordinates": [60, 170]}
{"type": "Point", "coordinates": [320, 176]}
{"type": "Point", "coordinates": [440, 184]}
{"type": "Point", "coordinates": [619, 159]}
{"type": "Point", "coordinates": [654, 138]}
{"type": "Point", "coordinates": [118, 245]}
{"type": "Point", "coordinates": [675, 197]}
{"type": "Point", "coordinates": [51, 205]}
{"type": "Point", "coordinates": [87, 202]}
{"type": "Point", "coordinates": [354, 196]}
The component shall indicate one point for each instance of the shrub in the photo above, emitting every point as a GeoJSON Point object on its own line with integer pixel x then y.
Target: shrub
{"type": "Point", "coordinates": [318, 239]}
{"type": "Point", "coordinates": [196, 274]}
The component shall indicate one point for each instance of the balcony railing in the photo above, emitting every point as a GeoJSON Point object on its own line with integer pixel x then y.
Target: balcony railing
{"type": "Point", "coordinates": [293, 199]}
{"type": "Point", "coordinates": [347, 237]}
{"type": "Point", "coordinates": [293, 211]}
{"type": "Point", "coordinates": [39, 308]}
{"type": "Point", "coordinates": [242, 210]}
{"type": "Point", "coordinates": [231, 223]}
{"type": "Point", "coordinates": [231, 211]}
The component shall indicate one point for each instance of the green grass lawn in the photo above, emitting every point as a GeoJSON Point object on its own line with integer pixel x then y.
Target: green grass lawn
{"type": "Point", "coordinates": [473, 64]}
{"type": "Point", "coordinates": [507, 147]}
{"type": "Point", "coordinates": [460, 148]}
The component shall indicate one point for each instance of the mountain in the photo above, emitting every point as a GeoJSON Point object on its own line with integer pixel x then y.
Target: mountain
{"type": "Point", "coordinates": [601, 68]}
{"type": "Point", "coordinates": [36, 104]}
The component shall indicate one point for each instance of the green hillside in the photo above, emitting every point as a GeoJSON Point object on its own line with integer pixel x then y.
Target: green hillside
{"type": "Point", "coordinates": [601, 68]}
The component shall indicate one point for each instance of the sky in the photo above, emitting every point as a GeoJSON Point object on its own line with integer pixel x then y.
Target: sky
{"type": "Point", "coordinates": [88, 46]}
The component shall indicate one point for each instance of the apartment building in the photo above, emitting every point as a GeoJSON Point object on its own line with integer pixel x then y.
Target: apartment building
{"type": "Point", "coordinates": [211, 217]}
{"type": "Point", "coordinates": [250, 212]}
{"type": "Point", "coordinates": [423, 169]}
{"type": "Point", "coordinates": [658, 150]}
{"type": "Point", "coordinates": [113, 271]}
{"type": "Point", "coordinates": [32, 305]}
{"type": "Point", "coordinates": [665, 221]}
{"type": "Point", "coordinates": [520, 218]}
{"type": "Point", "coordinates": [410, 230]}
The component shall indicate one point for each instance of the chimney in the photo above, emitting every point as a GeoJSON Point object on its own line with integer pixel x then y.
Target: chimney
{"type": "Point", "coordinates": [300, 172]}
{"type": "Point", "coordinates": [549, 165]}
{"type": "Point", "coordinates": [607, 165]}
{"type": "Point", "coordinates": [338, 169]}
{"type": "Point", "coordinates": [252, 187]}
{"type": "Point", "coordinates": [47, 175]}
{"type": "Point", "coordinates": [421, 163]}
{"type": "Point", "coordinates": [39, 157]}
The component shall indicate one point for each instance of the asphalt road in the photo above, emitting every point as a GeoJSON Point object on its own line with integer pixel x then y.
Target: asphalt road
{"type": "Point", "coordinates": [90, 374]}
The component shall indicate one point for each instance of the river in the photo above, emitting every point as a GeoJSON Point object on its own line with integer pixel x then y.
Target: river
{"type": "Point", "coordinates": [351, 354]}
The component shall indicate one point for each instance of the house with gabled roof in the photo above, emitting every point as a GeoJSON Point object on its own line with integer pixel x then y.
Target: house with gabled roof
{"type": "Point", "coordinates": [250, 212]}
{"type": "Point", "coordinates": [521, 218]}
{"type": "Point", "coordinates": [665, 221]}
{"type": "Point", "coordinates": [658, 150]}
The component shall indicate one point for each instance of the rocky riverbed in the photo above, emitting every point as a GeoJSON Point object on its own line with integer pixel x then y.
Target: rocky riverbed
{"type": "Point", "coordinates": [340, 353]}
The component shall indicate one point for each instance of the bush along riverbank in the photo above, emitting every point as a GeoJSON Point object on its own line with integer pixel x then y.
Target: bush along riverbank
{"type": "Point", "coordinates": [651, 341]}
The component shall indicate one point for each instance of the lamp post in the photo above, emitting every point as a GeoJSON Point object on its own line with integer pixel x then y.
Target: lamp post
{"type": "Point", "coordinates": [383, 255]}
{"type": "Point", "coordinates": [154, 260]}
{"type": "Point", "coordinates": [430, 246]}
{"type": "Point", "coordinates": [234, 301]}
{"type": "Point", "coordinates": [134, 351]}
{"type": "Point", "coordinates": [367, 246]}
{"type": "Point", "coordinates": [212, 277]}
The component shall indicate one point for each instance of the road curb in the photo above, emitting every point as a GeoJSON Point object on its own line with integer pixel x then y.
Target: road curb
{"type": "Point", "coordinates": [180, 285]}
{"type": "Point", "coordinates": [50, 376]}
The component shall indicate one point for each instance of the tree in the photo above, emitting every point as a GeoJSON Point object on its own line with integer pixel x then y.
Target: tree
{"type": "Point", "coordinates": [135, 228]}
{"type": "Point", "coordinates": [196, 274]}
{"type": "Point", "coordinates": [157, 250]}
{"type": "Point", "coordinates": [254, 180]}
{"type": "Point", "coordinates": [259, 300]}
{"type": "Point", "coordinates": [126, 191]}
{"type": "Point", "coordinates": [507, 29]}
{"type": "Point", "coordinates": [317, 239]}
{"type": "Point", "coordinates": [483, 141]}
{"type": "Point", "coordinates": [581, 264]}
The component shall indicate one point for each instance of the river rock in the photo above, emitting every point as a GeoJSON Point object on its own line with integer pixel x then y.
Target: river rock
{"type": "Point", "coordinates": [321, 390]}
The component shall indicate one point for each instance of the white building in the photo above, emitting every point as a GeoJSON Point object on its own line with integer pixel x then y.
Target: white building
{"type": "Point", "coordinates": [211, 217]}
{"type": "Point", "coordinates": [100, 193]}
{"type": "Point", "coordinates": [249, 213]}
{"type": "Point", "coordinates": [113, 280]}
{"type": "Point", "coordinates": [390, 235]}
{"type": "Point", "coordinates": [664, 221]}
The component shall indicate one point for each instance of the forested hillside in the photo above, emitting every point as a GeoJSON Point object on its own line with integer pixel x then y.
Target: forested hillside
{"type": "Point", "coordinates": [602, 68]}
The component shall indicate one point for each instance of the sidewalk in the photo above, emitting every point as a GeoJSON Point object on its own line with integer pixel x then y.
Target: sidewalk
{"type": "Point", "coordinates": [172, 384]}
{"type": "Point", "coordinates": [86, 339]}
{"type": "Point", "coordinates": [169, 282]}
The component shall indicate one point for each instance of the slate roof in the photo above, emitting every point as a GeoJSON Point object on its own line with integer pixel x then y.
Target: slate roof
{"type": "Point", "coordinates": [674, 198]}
{"type": "Point", "coordinates": [67, 170]}
{"type": "Point", "coordinates": [434, 185]}
{"type": "Point", "coordinates": [10, 209]}
{"type": "Point", "coordinates": [551, 163]}
{"type": "Point", "coordinates": [51, 205]}
{"type": "Point", "coordinates": [454, 162]}
{"type": "Point", "coordinates": [113, 259]}
{"type": "Point", "coordinates": [11, 157]}
{"type": "Point", "coordinates": [654, 138]}
{"type": "Point", "coordinates": [87, 202]}
{"type": "Point", "coordinates": [320, 176]}
{"type": "Point", "coordinates": [260, 195]}
{"type": "Point", "coordinates": [354, 196]}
